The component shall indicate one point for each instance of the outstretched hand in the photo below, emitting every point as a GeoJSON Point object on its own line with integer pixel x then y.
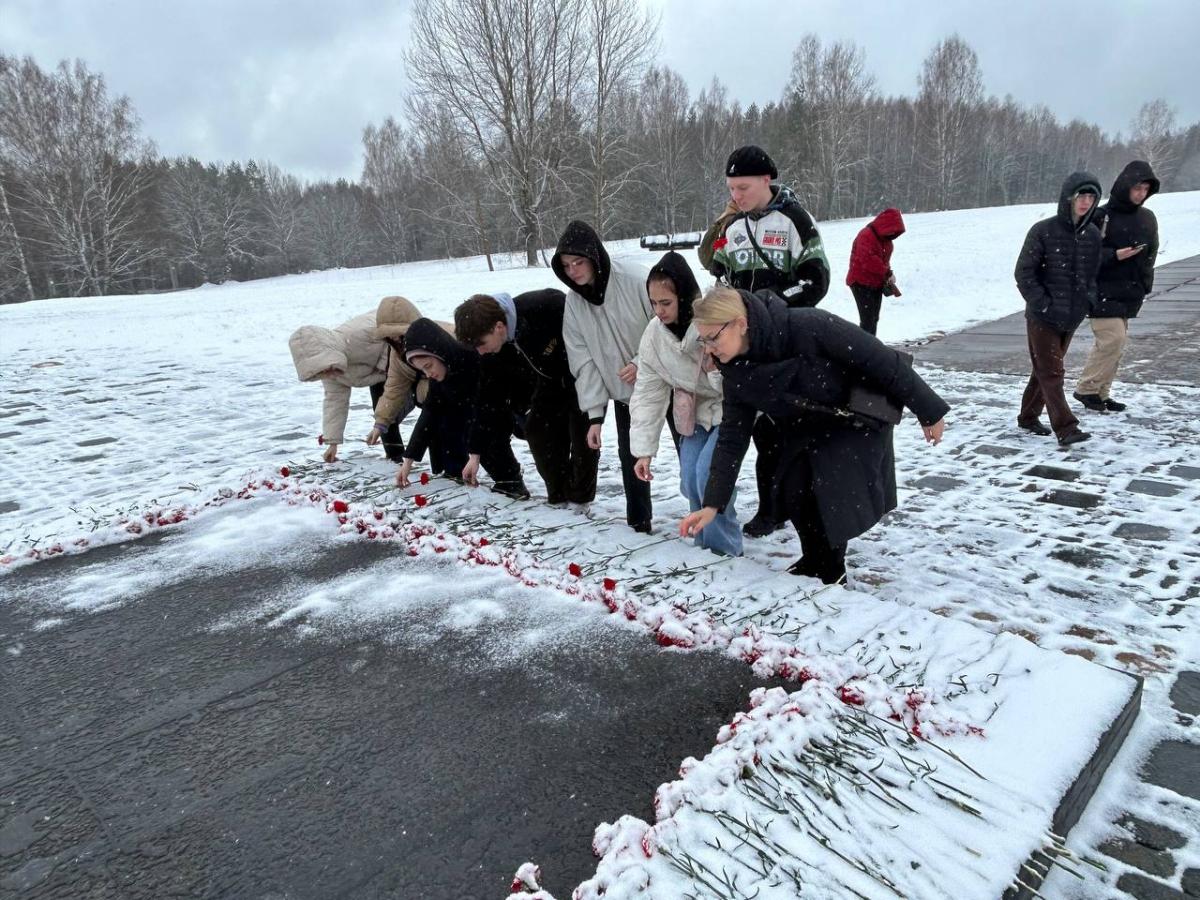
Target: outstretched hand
{"type": "Point", "coordinates": [693, 523]}
{"type": "Point", "coordinates": [933, 433]}
{"type": "Point", "coordinates": [402, 479]}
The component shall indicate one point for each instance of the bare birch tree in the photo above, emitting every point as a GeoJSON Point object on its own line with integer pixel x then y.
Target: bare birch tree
{"type": "Point", "coordinates": [507, 73]}
{"type": "Point", "coordinates": [621, 36]}
{"type": "Point", "coordinates": [951, 87]}
{"type": "Point", "coordinates": [1152, 138]}
{"type": "Point", "coordinates": [75, 151]}
{"type": "Point", "coordinates": [833, 89]}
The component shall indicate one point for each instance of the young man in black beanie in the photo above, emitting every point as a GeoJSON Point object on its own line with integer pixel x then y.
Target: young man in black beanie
{"type": "Point", "coordinates": [765, 240]}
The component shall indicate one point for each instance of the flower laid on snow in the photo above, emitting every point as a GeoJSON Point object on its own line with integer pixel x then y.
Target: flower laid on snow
{"type": "Point", "coordinates": [420, 499]}
{"type": "Point", "coordinates": [341, 506]}
{"type": "Point", "coordinates": [575, 569]}
{"type": "Point", "coordinates": [424, 478]}
{"type": "Point", "coordinates": [320, 440]}
{"type": "Point", "coordinates": [610, 584]}
{"type": "Point", "coordinates": [285, 471]}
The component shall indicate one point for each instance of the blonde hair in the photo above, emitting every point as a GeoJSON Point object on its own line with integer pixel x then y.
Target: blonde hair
{"type": "Point", "coordinates": [720, 304]}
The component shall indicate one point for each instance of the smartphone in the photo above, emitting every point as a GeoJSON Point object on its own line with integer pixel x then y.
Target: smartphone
{"type": "Point", "coordinates": [1139, 246]}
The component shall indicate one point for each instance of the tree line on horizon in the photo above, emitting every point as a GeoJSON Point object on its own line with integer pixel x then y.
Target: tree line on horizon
{"type": "Point", "coordinates": [549, 110]}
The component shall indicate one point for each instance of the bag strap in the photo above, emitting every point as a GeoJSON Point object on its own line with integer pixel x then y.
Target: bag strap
{"type": "Point", "coordinates": [759, 250]}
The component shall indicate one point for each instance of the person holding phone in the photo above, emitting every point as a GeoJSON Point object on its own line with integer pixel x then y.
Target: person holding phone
{"type": "Point", "coordinates": [1129, 234]}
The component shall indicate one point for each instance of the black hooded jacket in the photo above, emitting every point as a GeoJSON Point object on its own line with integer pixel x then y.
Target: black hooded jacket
{"type": "Point", "coordinates": [530, 368]}
{"type": "Point", "coordinates": [580, 239]}
{"type": "Point", "coordinates": [1124, 283]}
{"type": "Point", "coordinates": [803, 356]}
{"type": "Point", "coordinates": [454, 395]}
{"type": "Point", "coordinates": [1056, 271]}
{"type": "Point", "coordinates": [675, 269]}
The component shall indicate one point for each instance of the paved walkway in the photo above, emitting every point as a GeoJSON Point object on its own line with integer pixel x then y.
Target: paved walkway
{"type": "Point", "coordinates": [1164, 349]}
{"type": "Point", "coordinates": [1164, 345]}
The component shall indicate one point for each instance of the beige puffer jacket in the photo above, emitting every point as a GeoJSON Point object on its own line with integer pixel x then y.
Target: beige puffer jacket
{"type": "Point", "coordinates": [666, 363]}
{"type": "Point", "coordinates": [392, 319]}
{"type": "Point", "coordinates": [351, 347]}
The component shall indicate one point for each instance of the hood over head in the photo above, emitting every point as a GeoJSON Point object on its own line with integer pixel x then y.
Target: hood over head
{"type": "Point", "coordinates": [1077, 183]}
{"type": "Point", "coordinates": [393, 317]}
{"type": "Point", "coordinates": [1131, 176]}
{"type": "Point", "coordinates": [675, 269]}
{"type": "Point", "coordinates": [315, 349]}
{"type": "Point", "coordinates": [580, 239]}
{"type": "Point", "coordinates": [889, 224]}
{"type": "Point", "coordinates": [425, 336]}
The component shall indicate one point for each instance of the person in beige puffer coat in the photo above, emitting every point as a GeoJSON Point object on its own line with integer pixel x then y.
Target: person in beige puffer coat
{"type": "Point", "coordinates": [343, 358]}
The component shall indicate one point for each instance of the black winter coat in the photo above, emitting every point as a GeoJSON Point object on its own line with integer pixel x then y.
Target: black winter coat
{"type": "Point", "coordinates": [531, 367]}
{"type": "Point", "coordinates": [1124, 283]}
{"type": "Point", "coordinates": [453, 396]}
{"type": "Point", "coordinates": [1056, 271]}
{"type": "Point", "coordinates": [803, 354]}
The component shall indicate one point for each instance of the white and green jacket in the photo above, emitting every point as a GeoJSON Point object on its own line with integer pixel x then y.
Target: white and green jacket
{"type": "Point", "coordinates": [776, 248]}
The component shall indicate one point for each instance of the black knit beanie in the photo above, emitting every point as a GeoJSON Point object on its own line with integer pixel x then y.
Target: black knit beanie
{"type": "Point", "coordinates": [750, 160]}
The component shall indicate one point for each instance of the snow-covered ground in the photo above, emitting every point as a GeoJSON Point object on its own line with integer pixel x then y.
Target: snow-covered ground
{"type": "Point", "coordinates": [115, 405]}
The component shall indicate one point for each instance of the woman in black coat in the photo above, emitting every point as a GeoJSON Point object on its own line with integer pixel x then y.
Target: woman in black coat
{"type": "Point", "coordinates": [836, 475]}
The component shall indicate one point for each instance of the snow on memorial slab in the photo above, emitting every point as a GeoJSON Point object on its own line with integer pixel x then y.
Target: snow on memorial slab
{"type": "Point", "coordinates": [202, 390]}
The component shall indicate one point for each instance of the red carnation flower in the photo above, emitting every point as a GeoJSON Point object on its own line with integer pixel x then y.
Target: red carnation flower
{"type": "Point", "coordinates": [320, 440]}
{"type": "Point", "coordinates": [610, 584]}
{"type": "Point", "coordinates": [483, 542]}
{"type": "Point", "coordinates": [575, 569]}
{"type": "Point", "coordinates": [424, 478]}
{"type": "Point", "coordinates": [719, 243]}
{"type": "Point", "coordinates": [341, 506]}
{"type": "Point", "coordinates": [420, 499]}
{"type": "Point", "coordinates": [285, 471]}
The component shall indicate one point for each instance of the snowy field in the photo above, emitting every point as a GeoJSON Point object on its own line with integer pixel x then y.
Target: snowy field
{"type": "Point", "coordinates": [171, 404]}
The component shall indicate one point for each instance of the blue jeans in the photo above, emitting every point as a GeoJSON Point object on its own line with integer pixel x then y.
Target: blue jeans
{"type": "Point", "coordinates": [723, 535]}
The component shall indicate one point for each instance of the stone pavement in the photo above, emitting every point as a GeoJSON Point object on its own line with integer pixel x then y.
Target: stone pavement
{"type": "Point", "coordinates": [1164, 344]}
{"type": "Point", "coordinates": [1164, 349]}
{"type": "Point", "coordinates": [145, 753]}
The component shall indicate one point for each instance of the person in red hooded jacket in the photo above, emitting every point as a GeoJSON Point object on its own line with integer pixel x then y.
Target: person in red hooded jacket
{"type": "Point", "coordinates": [870, 277]}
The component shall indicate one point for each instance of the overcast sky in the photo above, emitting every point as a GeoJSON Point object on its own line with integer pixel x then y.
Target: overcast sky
{"type": "Point", "coordinates": [295, 81]}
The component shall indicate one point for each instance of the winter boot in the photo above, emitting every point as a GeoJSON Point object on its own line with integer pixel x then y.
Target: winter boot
{"type": "Point", "coordinates": [761, 525]}
{"type": "Point", "coordinates": [1075, 436]}
{"type": "Point", "coordinates": [1094, 402]}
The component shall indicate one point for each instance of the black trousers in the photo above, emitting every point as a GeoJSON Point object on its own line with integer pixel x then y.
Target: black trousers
{"type": "Point", "coordinates": [448, 448]}
{"type": "Point", "coordinates": [869, 302]}
{"type": "Point", "coordinates": [767, 444]}
{"type": "Point", "coordinates": [393, 442]}
{"type": "Point", "coordinates": [638, 510]}
{"type": "Point", "coordinates": [798, 501]}
{"type": "Point", "coordinates": [557, 434]}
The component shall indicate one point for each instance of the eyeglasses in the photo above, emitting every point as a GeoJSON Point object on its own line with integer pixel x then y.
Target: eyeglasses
{"type": "Point", "coordinates": [706, 341]}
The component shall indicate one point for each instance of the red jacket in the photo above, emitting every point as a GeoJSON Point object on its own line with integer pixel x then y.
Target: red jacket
{"type": "Point", "coordinates": [871, 255]}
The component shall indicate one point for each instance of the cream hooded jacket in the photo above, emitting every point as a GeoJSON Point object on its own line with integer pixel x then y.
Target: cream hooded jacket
{"type": "Point", "coordinates": [351, 347]}
{"type": "Point", "coordinates": [666, 363]}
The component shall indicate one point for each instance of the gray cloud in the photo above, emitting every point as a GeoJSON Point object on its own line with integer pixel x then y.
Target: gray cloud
{"type": "Point", "coordinates": [1097, 60]}
{"type": "Point", "coordinates": [295, 82]}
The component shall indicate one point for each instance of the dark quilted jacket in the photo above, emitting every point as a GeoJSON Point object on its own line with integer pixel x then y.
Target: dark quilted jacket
{"type": "Point", "coordinates": [1056, 271]}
